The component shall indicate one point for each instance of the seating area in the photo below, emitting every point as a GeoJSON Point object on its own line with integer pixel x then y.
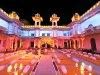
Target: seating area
{"type": "Point", "coordinates": [71, 62]}
{"type": "Point", "coordinates": [58, 62]}
{"type": "Point", "coordinates": [18, 61]}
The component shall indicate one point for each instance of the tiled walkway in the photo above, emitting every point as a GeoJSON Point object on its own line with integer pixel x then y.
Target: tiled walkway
{"type": "Point", "coordinates": [45, 66]}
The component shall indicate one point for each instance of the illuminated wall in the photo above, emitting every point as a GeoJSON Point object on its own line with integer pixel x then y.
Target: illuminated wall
{"type": "Point", "coordinates": [93, 20]}
{"type": "Point", "coordinates": [15, 26]}
{"type": "Point", "coordinates": [41, 32]}
{"type": "Point", "coordinates": [78, 29]}
{"type": "Point", "coordinates": [31, 32]}
{"type": "Point", "coordinates": [24, 33]}
{"type": "Point", "coordinates": [60, 33]}
{"type": "Point", "coordinates": [10, 29]}
{"type": "Point", "coordinates": [3, 23]}
{"type": "Point", "coordinates": [19, 32]}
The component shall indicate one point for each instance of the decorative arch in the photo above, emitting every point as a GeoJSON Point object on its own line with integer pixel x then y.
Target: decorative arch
{"type": "Point", "coordinates": [46, 40]}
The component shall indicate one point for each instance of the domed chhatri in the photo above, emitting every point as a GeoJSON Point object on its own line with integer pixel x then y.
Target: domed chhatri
{"type": "Point", "coordinates": [13, 15]}
{"type": "Point", "coordinates": [54, 19]}
{"type": "Point", "coordinates": [38, 19]}
{"type": "Point", "coordinates": [76, 17]}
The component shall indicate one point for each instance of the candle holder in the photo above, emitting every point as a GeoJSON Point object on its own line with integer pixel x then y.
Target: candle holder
{"type": "Point", "coordinates": [16, 69]}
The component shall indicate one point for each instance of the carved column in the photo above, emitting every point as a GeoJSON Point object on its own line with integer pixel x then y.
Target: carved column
{"type": "Point", "coordinates": [15, 44]}
{"type": "Point", "coordinates": [56, 33]}
{"type": "Point", "coordinates": [52, 33]}
{"type": "Point", "coordinates": [74, 44]}
{"type": "Point", "coordinates": [52, 23]}
{"type": "Point", "coordinates": [82, 39]}
{"type": "Point", "coordinates": [39, 23]}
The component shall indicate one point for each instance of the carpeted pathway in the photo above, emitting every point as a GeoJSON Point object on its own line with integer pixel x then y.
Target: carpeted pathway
{"type": "Point", "coordinates": [45, 66]}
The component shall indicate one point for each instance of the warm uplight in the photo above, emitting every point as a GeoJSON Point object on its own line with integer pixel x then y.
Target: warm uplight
{"type": "Point", "coordinates": [76, 65]}
{"type": "Point", "coordinates": [21, 66]}
{"type": "Point", "coordinates": [90, 68]}
{"type": "Point", "coordinates": [15, 66]}
{"type": "Point", "coordinates": [90, 73]}
{"type": "Point", "coordinates": [9, 68]}
{"type": "Point", "coordinates": [15, 72]}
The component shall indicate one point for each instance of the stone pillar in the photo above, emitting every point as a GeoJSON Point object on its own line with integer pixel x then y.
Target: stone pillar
{"type": "Point", "coordinates": [17, 30]}
{"type": "Point", "coordinates": [56, 23]}
{"type": "Point", "coordinates": [35, 23]}
{"type": "Point", "coordinates": [20, 43]}
{"type": "Point", "coordinates": [82, 39]}
{"type": "Point", "coordinates": [28, 33]}
{"type": "Point", "coordinates": [52, 33]}
{"type": "Point", "coordinates": [39, 23]}
{"type": "Point", "coordinates": [80, 29]}
{"type": "Point", "coordinates": [8, 28]}
{"type": "Point", "coordinates": [74, 43]}
{"type": "Point", "coordinates": [78, 42]}
{"type": "Point", "coordinates": [73, 30]}
{"type": "Point", "coordinates": [38, 33]}
{"type": "Point", "coordinates": [15, 44]}
{"type": "Point", "coordinates": [46, 45]}
{"type": "Point", "coordinates": [52, 23]}
{"type": "Point", "coordinates": [56, 33]}
{"type": "Point", "coordinates": [35, 32]}
{"type": "Point", "coordinates": [70, 44]}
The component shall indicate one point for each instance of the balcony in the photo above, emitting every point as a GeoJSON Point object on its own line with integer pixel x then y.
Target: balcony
{"type": "Point", "coordinates": [27, 36]}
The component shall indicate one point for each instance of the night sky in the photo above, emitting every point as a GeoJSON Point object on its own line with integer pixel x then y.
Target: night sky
{"type": "Point", "coordinates": [63, 8]}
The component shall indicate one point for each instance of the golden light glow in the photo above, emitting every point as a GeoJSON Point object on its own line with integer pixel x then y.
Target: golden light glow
{"type": "Point", "coordinates": [37, 18]}
{"type": "Point", "coordinates": [47, 40]}
{"type": "Point", "coordinates": [76, 17]}
{"type": "Point", "coordinates": [88, 11]}
{"type": "Point", "coordinates": [63, 27]}
{"type": "Point", "coordinates": [54, 17]}
{"type": "Point", "coordinates": [13, 15]}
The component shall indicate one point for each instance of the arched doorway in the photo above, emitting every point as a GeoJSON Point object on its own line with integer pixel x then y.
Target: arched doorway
{"type": "Point", "coordinates": [93, 44]}
{"type": "Point", "coordinates": [46, 45]}
{"type": "Point", "coordinates": [46, 41]}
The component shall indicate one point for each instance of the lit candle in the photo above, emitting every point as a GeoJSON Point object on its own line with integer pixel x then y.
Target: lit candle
{"type": "Point", "coordinates": [16, 73]}
{"type": "Point", "coordinates": [21, 73]}
{"type": "Point", "coordinates": [76, 65]}
{"type": "Point", "coordinates": [82, 68]}
{"type": "Point", "coordinates": [9, 68]}
{"type": "Point", "coordinates": [21, 66]}
{"type": "Point", "coordinates": [90, 68]}
{"type": "Point", "coordinates": [15, 66]}
{"type": "Point", "coordinates": [90, 73]}
{"type": "Point", "coordinates": [83, 64]}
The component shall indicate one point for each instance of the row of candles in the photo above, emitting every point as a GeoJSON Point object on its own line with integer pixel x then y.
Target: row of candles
{"type": "Point", "coordinates": [82, 68]}
{"type": "Point", "coordinates": [16, 69]}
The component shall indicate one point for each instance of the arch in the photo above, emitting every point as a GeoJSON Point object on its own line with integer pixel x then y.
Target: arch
{"type": "Point", "coordinates": [93, 44]}
{"type": "Point", "coordinates": [46, 40]}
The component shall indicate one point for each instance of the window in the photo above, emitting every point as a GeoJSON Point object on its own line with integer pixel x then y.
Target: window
{"type": "Point", "coordinates": [70, 32]}
{"type": "Point", "coordinates": [48, 34]}
{"type": "Point", "coordinates": [65, 34]}
{"type": "Point", "coordinates": [32, 34]}
{"type": "Point", "coordinates": [43, 34]}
